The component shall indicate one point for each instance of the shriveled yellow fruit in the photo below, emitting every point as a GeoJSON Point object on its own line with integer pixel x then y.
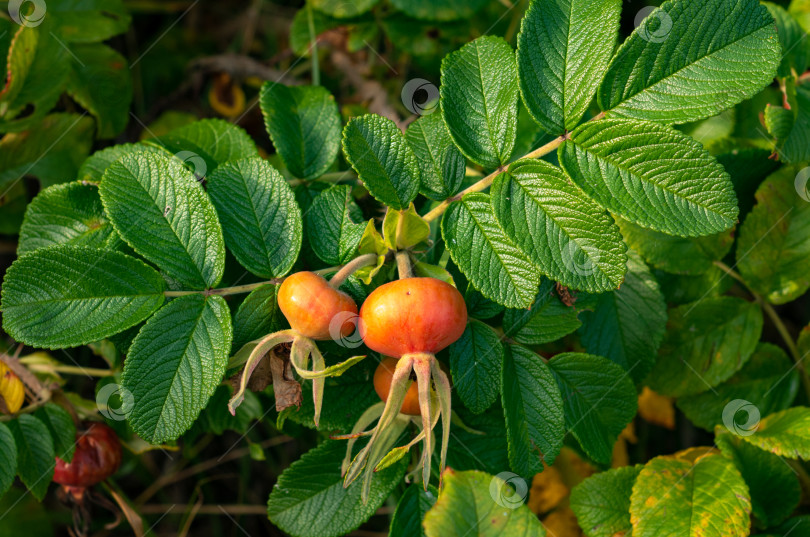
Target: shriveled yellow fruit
{"type": "Point", "coordinates": [11, 388]}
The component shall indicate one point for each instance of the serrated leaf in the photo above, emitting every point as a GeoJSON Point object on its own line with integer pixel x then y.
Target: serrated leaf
{"type": "Point", "coordinates": [651, 175]}
{"type": "Point", "coordinates": [475, 363]}
{"type": "Point", "coordinates": [411, 509]}
{"type": "Point", "coordinates": [677, 496]}
{"type": "Point", "coordinates": [486, 255]}
{"type": "Point", "coordinates": [690, 60]}
{"type": "Point", "coordinates": [722, 335]}
{"type": "Point", "coordinates": [257, 315]}
{"type": "Point", "coordinates": [785, 433]}
{"type": "Point", "coordinates": [488, 452]}
{"type": "Point", "coordinates": [533, 409]}
{"type": "Point", "coordinates": [174, 365]}
{"type": "Point", "coordinates": [790, 125]}
{"type": "Point", "coordinates": [331, 226]}
{"type": "Point", "coordinates": [35, 454]}
{"type": "Point", "coordinates": [439, 10]}
{"type": "Point", "coordinates": [70, 214]}
{"type": "Point", "coordinates": [8, 459]}
{"type": "Point", "coordinates": [100, 82]}
{"type": "Point", "coordinates": [773, 251]}
{"type": "Point", "coordinates": [768, 380]}
{"type": "Point", "coordinates": [564, 48]}
{"type": "Point", "coordinates": [441, 164]}
{"type": "Point", "coordinates": [470, 492]}
{"type": "Point", "coordinates": [383, 160]}
{"type": "Point", "coordinates": [791, 39]}
{"type": "Point", "coordinates": [602, 502]}
{"type": "Point", "coordinates": [479, 98]}
{"type": "Point", "coordinates": [774, 486]}
{"type": "Point", "coordinates": [309, 498]}
{"type": "Point", "coordinates": [547, 320]}
{"type": "Point", "coordinates": [627, 325]}
{"type": "Point", "coordinates": [217, 418]}
{"type": "Point", "coordinates": [304, 124]}
{"type": "Point", "coordinates": [342, 9]}
{"type": "Point", "coordinates": [93, 168]}
{"type": "Point", "coordinates": [600, 400]}
{"type": "Point", "coordinates": [61, 428]}
{"type": "Point", "coordinates": [676, 255]}
{"type": "Point", "coordinates": [86, 21]}
{"type": "Point", "coordinates": [260, 218]}
{"type": "Point", "coordinates": [216, 141]}
{"type": "Point", "coordinates": [176, 226]}
{"type": "Point", "coordinates": [45, 292]}
{"type": "Point", "coordinates": [569, 237]}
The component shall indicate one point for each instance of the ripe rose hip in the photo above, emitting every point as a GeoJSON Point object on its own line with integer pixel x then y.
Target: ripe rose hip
{"type": "Point", "coordinates": [382, 385]}
{"type": "Point", "coordinates": [310, 304]}
{"type": "Point", "coordinates": [97, 457]}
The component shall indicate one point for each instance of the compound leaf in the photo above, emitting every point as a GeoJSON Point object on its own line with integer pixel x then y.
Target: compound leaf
{"type": "Point", "coordinates": [441, 163]}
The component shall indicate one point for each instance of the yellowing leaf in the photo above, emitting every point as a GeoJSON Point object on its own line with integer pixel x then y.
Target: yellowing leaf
{"type": "Point", "coordinates": [656, 408]}
{"type": "Point", "coordinates": [548, 490]}
{"type": "Point", "coordinates": [562, 523]}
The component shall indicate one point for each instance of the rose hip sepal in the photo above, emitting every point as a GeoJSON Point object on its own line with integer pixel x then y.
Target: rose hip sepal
{"type": "Point", "coordinates": [97, 457]}
{"type": "Point", "coordinates": [410, 319]}
{"type": "Point", "coordinates": [316, 311]}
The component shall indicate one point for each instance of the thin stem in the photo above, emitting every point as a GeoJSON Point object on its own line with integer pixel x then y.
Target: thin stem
{"type": "Point", "coordinates": [239, 289]}
{"type": "Point", "coordinates": [404, 265]}
{"type": "Point", "coordinates": [331, 177]}
{"type": "Point", "coordinates": [73, 370]}
{"type": "Point", "coordinates": [313, 47]}
{"type": "Point", "coordinates": [350, 268]}
{"type": "Point", "coordinates": [486, 182]}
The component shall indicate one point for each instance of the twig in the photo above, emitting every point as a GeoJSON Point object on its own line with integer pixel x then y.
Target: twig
{"type": "Point", "coordinates": [351, 267]}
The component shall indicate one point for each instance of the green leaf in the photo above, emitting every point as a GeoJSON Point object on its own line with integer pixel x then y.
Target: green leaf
{"type": "Point", "coordinates": [488, 452]}
{"type": "Point", "coordinates": [627, 325]}
{"type": "Point", "coordinates": [602, 502]}
{"type": "Point", "coordinates": [651, 175]}
{"type": "Point", "coordinates": [768, 380]}
{"type": "Point", "coordinates": [217, 418]}
{"type": "Point", "coordinates": [774, 486]}
{"type": "Point", "coordinates": [61, 428]}
{"type": "Point", "coordinates": [600, 400]}
{"type": "Point", "coordinates": [792, 41]}
{"type": "Point", "coordinates": [304, 124]}
{"type": "Point", "coordinates": [676, 255]}
{"type": "Point", "coordinates": [331, 225]}
{"type": "Point", "coordinates": [479, 98]}
{"type": "Point", "coordinates": [45, 292]}
{"type": "Point", "coordinates": [722, 335]}
{"type": "Point", "coordinates": [486, 255]}
{"type": "Point", "coordinates": [51, 150]}
{"type": "Point", "coordinates": [440, 10]}
{"type": "Point", "coordinates": [309, 498]}
{"type": "Point", "coordinates": [773, 252]}
{"type": "Point", "coordinates": [564, 48]}
{"type": "Point", "coordinates": [547, 320]}
{"type": "Point", "coordinates": [93, 168]}
{"type": "Point", "coordinates": [71, 214]}
{"type": "Point", "coordinates": [176, 226]}
{"type": "Point", "coordinates": [466, 507]}
{"type": "Point", "coordinates": [690, 60]}
{"type": "Point", "coordinates": [216, 141]}
{"type": "Point", "coordinates": [404, 229]}
{"type": "Point", "coordinates": [260, 218]}
{"type": "Point", "coordinates": [342, 9]}
{"type": "Point", "coordinates": [533, 409]}
{"type": "Point", "coordinates": [411, 509]}
{"type": "Point", "coordinates": [475, 363]}
{"type": "Point", "coordinates": [570, 238]}
{"type": "Point", "coordinates": [87, 21]}
{"type": "Point", "coordinates": [383, 160]}
{"type": "Point", "coordinates": [785, 433]}
{"type": "Point", "coordinates": [257, 315]}
{"type": "Point", "coordinates": [8, 461]}
{"type": "Point", "coordinates": [22, 49]}
{"type": "Point", "coordinates": [677, 496]}
{"type": "Point", "coordinates": [175, 364]}
{"type": "Point", "coordinates": [35, 454]}
{"type": "Point", "coordinates": [441, 164]}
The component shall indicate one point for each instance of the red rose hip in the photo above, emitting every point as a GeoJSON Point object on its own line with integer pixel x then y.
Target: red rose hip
{"type": "Point", "coordinates": [310, 304]}
{"type": "Point", "coordinates": [97, 457]}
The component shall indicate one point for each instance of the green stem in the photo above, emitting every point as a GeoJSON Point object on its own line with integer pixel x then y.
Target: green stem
{"type": "Point", "coordinates": [404, 265]}
{"type": "Point", "coordinates": [313, 47]}
{"type": "Point", "coordinates": [350, 268]}
{"type": "Point", "coordinates": [240, 289]}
